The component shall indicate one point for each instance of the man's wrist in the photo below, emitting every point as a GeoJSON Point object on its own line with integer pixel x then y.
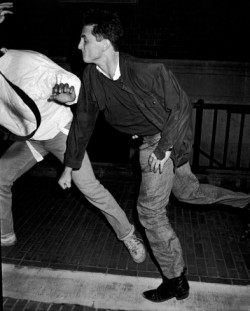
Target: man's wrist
{"type": "Point", "coordinates": [67, 169]}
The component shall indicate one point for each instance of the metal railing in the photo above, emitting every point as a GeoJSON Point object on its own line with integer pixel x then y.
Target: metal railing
{"type": "Point", "coordinates": [211, 142]}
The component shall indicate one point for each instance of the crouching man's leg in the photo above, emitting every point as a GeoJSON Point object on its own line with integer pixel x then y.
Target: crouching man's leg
{"type": "Point", "coordinates": [187, 188]}
{"type": "Point", "coordinates": [153, 199]}
{"type": "Point", "coordinates": [17, 160]}
{"type": "Point", "coordinates": [100, 197]}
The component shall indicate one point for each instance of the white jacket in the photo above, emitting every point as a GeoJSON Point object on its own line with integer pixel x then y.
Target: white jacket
{"type": "Point", "coordinates": [35, 74]}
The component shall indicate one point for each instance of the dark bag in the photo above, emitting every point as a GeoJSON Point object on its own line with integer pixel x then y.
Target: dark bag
{"type": "Point", "coordinates": [5, 133]}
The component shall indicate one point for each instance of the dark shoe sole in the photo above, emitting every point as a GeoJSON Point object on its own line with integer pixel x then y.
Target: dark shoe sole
{"type": "Point", "coordinates": [183, 296]}
{"type": "Point", "coordinates": [177, 298]}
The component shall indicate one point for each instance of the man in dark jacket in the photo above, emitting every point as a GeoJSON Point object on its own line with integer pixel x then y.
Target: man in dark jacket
{"type": "Point", "coordinates": [25, 86]}
{"type": "Point", "coordinates": [142, 99]}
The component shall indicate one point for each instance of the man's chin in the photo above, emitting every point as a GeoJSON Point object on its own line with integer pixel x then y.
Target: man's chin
{"type": "Point", "coordinates": [86, 60]}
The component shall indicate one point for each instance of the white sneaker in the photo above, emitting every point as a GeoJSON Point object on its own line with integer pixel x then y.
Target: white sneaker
{"type": "Point", "coordinates": [135, 248]}
{"type": "Point", "coordinates": [8, 239]}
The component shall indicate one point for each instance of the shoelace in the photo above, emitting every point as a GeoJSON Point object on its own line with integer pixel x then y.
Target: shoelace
{"type": "Point", "coordinates": [132, 243]}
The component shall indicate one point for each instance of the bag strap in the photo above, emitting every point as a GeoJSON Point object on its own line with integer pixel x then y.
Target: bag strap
{"type": "Point", "coordinates": [5, 133]}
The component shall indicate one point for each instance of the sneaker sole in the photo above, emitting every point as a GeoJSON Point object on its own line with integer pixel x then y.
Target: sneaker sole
{"type": "Point", "coordinates": [11, 242]}
{"type": "Point", "coordinates": [139, 261]}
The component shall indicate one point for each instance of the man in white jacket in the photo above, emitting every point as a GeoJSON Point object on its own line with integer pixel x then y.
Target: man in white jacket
{"type": "Point", "coordinates": [36, 75]}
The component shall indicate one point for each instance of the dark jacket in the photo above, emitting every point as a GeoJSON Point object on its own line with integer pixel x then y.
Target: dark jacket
{"type": "Point", "coordinates": [158, 96]}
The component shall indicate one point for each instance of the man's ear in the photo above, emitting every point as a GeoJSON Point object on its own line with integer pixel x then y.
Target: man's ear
{"type": "Point", "coordinates": [106, 44]}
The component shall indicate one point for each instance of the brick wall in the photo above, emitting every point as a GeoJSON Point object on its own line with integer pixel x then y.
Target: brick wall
{"type": "Point", "coordinates": [172, 29]}
{"type": "Point", "coordinates": [188, 35]}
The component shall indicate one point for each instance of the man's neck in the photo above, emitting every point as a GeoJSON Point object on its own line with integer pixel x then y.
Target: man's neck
{"type": "Point", "coordinates": [109, 64]}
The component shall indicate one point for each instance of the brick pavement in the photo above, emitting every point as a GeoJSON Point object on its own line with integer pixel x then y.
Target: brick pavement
{"type": "Point", "coordinates": [59, 229]}
{"type": "Point", "coordinates": [10, 304]}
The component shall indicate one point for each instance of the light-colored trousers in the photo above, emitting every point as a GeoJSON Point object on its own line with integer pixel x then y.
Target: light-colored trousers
{"type": "Point", "coordinates": [153, 198]}
{"type": "Point", "coordinates": [18, 159]}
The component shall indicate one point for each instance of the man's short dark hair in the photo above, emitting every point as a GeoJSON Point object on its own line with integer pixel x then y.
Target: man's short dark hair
{"type": "Point", "coordinates": [107, 25]}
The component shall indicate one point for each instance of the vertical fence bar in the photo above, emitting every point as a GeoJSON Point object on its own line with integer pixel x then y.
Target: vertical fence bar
{"type": "Point", "coordinates": [213, 138]}
{"type": "Point", "coordinates": [242, 122]}
{"type": "Point", "coordinates": [226, 138]}
{"type": "Point", "coordinates": [197, 137]}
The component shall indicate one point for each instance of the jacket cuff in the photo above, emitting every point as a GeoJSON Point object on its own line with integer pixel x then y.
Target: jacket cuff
{"type": "Point", "coordinates": [73, 164]}
{"type": "Point", "coordinates": [159, 154]}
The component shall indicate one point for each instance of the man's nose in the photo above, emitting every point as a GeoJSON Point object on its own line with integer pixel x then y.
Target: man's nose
{"type": "Point", "coordinates": [80, 45]}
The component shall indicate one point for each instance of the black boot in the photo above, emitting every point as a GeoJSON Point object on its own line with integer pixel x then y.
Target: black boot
{"type": "Point", "coordinates": [169, 288]}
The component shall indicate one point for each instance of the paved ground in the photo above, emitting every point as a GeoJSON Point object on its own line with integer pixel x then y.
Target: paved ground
{"type": "Point", "coordinates": [61, 230]}
{"type": "Point", "coordinates": [105, 291]}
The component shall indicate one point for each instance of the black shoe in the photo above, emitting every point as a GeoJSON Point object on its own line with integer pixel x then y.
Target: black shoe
{"type": "Point", "coordinates": [169, 288]}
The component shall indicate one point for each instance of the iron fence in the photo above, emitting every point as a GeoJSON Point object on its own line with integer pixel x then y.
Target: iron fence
{"type": "Point", "coordinates": [222, 137]}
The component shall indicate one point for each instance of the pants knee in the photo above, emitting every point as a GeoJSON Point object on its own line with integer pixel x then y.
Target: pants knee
{"type": "Point", "coordinates": [153, 218]}
{"type": "Point", "coordinates": [5, 181]}
{"type": "Point", "coordinates": [91, 188]}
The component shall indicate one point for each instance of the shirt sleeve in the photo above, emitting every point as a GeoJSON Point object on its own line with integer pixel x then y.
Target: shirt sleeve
{"type": "Point", "coordinates": [81, 130]}
{"type": "Point", "coordinates": [179, 119]}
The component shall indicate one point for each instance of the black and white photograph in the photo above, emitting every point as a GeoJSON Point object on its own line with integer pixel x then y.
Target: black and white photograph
{"type": "Point", "coordinates": [125, 155]}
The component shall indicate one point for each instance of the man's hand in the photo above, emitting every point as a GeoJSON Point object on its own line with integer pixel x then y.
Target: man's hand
{"type": "Point", "coordinates": [4, 9]}
{"type": "Point", "coordinates": [4, 50]}
{"type": "Point", "coordinates": [155, 164]}
{"type": "Point", "coordinates": [66, 178]}
{"type": "Point", "coordinates": [63, 93]}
